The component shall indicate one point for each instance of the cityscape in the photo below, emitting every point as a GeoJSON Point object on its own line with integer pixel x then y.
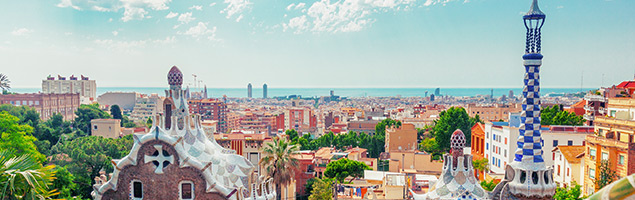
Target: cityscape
{"type": "Point", "coordinates": [256, 110]}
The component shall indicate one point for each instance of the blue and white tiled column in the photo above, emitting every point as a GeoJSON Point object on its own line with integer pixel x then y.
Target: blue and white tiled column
{"type": "Point", "coordinates": [530, 142]}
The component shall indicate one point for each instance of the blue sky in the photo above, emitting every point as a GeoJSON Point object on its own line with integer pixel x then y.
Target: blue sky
{"type": "Point", "coordinates": [315, 43]}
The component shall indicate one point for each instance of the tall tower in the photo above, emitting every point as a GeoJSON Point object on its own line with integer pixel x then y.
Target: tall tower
{"type": "Point", "coordinates": [249, 90]}
{"type": "Point", "coordinates": [527, 176]}
{"type": "Point", "coordinates": [264, 91]}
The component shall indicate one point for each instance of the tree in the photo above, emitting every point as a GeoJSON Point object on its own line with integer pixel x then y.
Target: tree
{"type": "Point", "coordinates": [481, 165]}
{"type": "Point", "coordinates": [23, 177]}
{"type": "Point", "coordinates": [86, 113]}
{"type": "Point", "coordinates": [16, 138]}
{"type": "Point", "coordinates": [322, 189]}
{"type": "Point", "coordinates": [450, 120]}
{"type": "Point", "coordinates": [149, 122]}
{"type": "Point", "coordinates": [569, 193]}
{"type": "Point", "coordinates": [115, 111]}
{"type": "Point", "coordinates": [84, 157]}
{"type": "Point", "coordinates": [556, 116]}
{"type": "Point", "coordinates": [4, 82]}
{"type": "Point", "coordinates": [606, 176]}
{"type": "Point", "coordinates": [64, 183]}
{"type": "Point", "coordinates": [343, 168]}
{"type": "Point", "coordinates": [489, 185]}
{"type": "Point", "coordinates": [278, 161]}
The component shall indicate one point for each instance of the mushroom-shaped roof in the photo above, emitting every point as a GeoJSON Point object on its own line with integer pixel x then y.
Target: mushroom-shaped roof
{"type": "Point", "coordinates": [534, 12]}
{"type": "Point", "coordinates": [457, 141]}
{"type": "Point", "coordinates": [175, 77]}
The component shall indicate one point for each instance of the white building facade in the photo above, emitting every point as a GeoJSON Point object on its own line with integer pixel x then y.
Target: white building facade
{"type": "Point", "coordinates": [498, 143]}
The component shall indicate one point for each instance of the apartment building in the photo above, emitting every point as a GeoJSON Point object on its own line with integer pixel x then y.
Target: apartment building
{"type": "Point", "coordinates": [146, 106]}
{"type": "Point", "coordinates": [210, 109]}
{"type": "Point", "coordinates": [493, 112]}
{"type": "Point", "coordinates": [612, 141]}
{"type": "Point", "coordinates": [45, 104]}
{"type": "Point", "coordinates": [86, 88]}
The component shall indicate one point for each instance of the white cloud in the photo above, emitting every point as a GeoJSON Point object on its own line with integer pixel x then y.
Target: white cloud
{"type": "Point", "coordinates": [297, 23]}
{"type": "Point", "coordinates": [133, 9]}
{"type": "Point", "coordinates": [21, 32]}
{"type": "Point", "coordinates": [346, 15]}
{"type": "Point", "coordinates": [201, 31]}
{"type": "Point", "coordinates": [212, 4]}
{"type": "Point", "coordinates": [195, 7]}
{"type": "Point", "coordinates": [167, 40]}
{"type": "Point", "coordinates": [186, 18]}
{"type": "Point", "coordinates": [235, 7]}
{"type": "Point", "coordinates": [122, 46]}
{"type": "Point", "coordinates": [115, 33]}
{"type": "Point", "coordinates": [171, 15]}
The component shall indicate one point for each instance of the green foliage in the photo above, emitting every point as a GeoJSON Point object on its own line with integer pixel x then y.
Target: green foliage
{"type": "Point", "coordinates": [569, 193]}
{"type": "Point", "coordinates": [556, 116]}
{"type": "Point", "coordinates": [488, 185]}
{"type": "Point", "coordinates": [115, 111]}
{"type": "Point", "coordinates": [374, 144]}
{"type": "Point", "coordinates": [5, 83]}
{"type": "Point", "coordinates": [64, 183]}
{"type": "Point", "coordinates": [481, 164]}
{"type": "Point", "coordinates": [23, 177]}
{"type": "Point", "coordinates": [149, 122]}
{"type": "Point", "coordinates": [343, 168]}
{"type": "Point", "coordinates": [278, 161]}
{"type": "Point", "coordinates": [85, 113]}
{"type": "Point", "coordinates": [322, 189]}
{"type": "Point", "coordinates": [606, 174]}
{"type": "Point", "coordinates": [84, 157]}
{"type": "Point", "coordinates": [429, 145]}
{"type": "Point", "coordinates": [449, 121]}
{"type": "Point", "coordinates": [16, 138]}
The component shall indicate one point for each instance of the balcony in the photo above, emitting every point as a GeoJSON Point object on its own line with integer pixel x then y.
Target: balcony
{"type": "Point", "coordinates": [588, 108]}
{"type": "Point", "coordinates": [605, 142]}
{"type": "Point", "coordinates": [613, 121]}
{"type": "Point", "coordinates": [592, 97]}
{"type": "Point", "coordinates": [622, 102]}
{"type": "Point", "coordinates": [588, 117]}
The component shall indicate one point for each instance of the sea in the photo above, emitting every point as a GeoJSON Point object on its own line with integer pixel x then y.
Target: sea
{"type": "Point", "coordinates": [342, 92]}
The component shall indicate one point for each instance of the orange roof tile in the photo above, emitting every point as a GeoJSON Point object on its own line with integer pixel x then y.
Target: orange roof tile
{"type": "Point", "coordinates": [571, 152]}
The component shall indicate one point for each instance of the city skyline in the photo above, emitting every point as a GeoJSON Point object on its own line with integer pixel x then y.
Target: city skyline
{"type": "Point", "coordinates": [367, 44]}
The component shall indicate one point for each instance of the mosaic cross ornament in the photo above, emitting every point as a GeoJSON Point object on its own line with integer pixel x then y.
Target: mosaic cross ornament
{"type": "Point", "coordinates": [160, 159]}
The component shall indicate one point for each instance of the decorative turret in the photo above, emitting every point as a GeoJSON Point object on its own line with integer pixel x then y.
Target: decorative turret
{"type": "Point", "coordinates": [527, 177]}
{"type": "Point", "coordinates": [457, 180]}
{"type": "Point", "coordinates": [175, 77]}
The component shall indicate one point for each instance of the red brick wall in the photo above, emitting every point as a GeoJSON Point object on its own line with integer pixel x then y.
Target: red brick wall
{"type": "Point", "coordinates": [159, 186]}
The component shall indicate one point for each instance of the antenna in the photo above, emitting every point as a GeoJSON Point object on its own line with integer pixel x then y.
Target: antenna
{"type": "Point", "coordinates": [581, 79]}
{"type": "Point", "coordinates": [194, 75]}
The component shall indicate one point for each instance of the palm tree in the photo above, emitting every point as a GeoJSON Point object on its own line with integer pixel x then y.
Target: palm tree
{"type": "Point", "coordinates": [4, 82]}
{"type": "Point", "coordinates": [279, 162]}
{"type": "Point", "coordinates": [481, 165]}
{"type": "Point", "coordinates": [22, 177]}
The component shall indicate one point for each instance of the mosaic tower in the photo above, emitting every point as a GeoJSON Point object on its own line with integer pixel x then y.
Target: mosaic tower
{"type": "Point", "coordinates": [527, 175]}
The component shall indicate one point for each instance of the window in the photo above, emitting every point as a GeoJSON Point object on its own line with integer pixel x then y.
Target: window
{"type": "Point", "coordinates": [592, 173]}
{"type": "Point", "coordinates": [505, 140]}
{"type": "Point", "coordinates": [555, 143]}
{"type": "Point", "coordinates": [558, 170]}
{"type": "Point", "coordinates": [570, 143]}
{"type": "Point", "coordinates": [137, 190]}
{"type": "Point", "coordinates": [605, 156]}
{"type": "Point", "coordinates": [95, 127]}
{"type": "Point", "coordinates": [487, 146]}
{"type": "Point", "coordinates": [187, 190]}
{"type": "Point", "coordinates": [567, 171]}
{"type": "Point", "coordinates": [621, 161]}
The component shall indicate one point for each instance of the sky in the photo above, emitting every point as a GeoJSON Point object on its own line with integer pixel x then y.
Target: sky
{"type": "Point", "coordinates": [315, 43]}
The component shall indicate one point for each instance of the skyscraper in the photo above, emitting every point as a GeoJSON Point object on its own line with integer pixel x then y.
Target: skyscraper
{"type": "Point", "coordinates": [264, 91]}
{"type": "Point", "coordinates": [249, 90]}
{"type": "Point", "coordinates": [527, 177]}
